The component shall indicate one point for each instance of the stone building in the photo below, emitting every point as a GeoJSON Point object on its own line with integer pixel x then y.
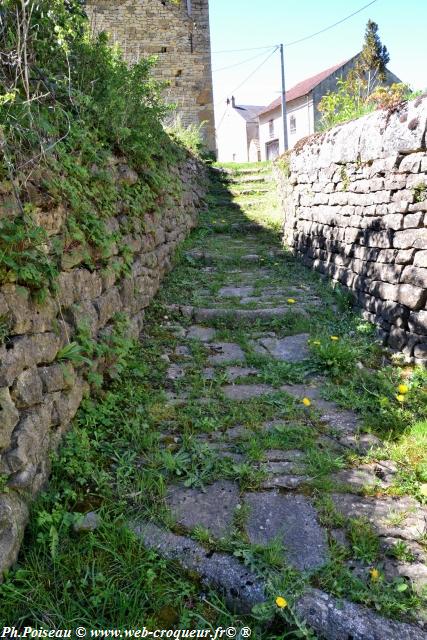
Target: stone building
{"type": "Point", "coordinates": [177, 32]}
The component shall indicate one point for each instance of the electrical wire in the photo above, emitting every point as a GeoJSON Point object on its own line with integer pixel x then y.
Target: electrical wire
{"type": "Point", "coordinates": [249, 76]}
{"type": "Point", "coordinates": [237, 64]}
{"type": "Point", "coordinates": [312, 35]}
{"type": "Point", "coordinates": [239, 50]}
{"type": "Point", "coordinates": [331, 26]}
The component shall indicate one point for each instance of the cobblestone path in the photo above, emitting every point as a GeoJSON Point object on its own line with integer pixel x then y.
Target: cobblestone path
{"type": "Point", "coordinates": [277, 490]}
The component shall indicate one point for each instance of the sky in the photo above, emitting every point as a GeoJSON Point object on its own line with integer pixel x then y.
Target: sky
{"type": "Point", "coordinates": [246, 24]}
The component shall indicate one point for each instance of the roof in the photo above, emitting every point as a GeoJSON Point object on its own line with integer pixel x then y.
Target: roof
{"type": "Point", "coordinates": [248, 111]}
{"type": "Point", "coordinates": [304, 87]}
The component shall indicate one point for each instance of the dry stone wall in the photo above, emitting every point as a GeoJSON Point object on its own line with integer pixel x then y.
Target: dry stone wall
{"type": "Point", "coordinates": [39, 396]}
{"type": "Point", "coordinates": [355, 209]}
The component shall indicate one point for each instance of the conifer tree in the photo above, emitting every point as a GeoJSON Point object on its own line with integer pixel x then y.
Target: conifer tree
{"type": "Point", "coordinates": [373, 58]}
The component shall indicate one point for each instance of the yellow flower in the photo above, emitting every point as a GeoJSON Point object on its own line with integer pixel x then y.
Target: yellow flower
{"type": "Point", "coordinates": [334, 338]}
{"type": "Point", "coordinates": [400, 398]}
{"type": "Point", "coordinates": [423, 489]}
{"type": "Point", "coordinates": [291, 301]}
{"type": "Point", "coordinates": [375, 574]}
{"type": "Point", "coordinates": [403, 388]}
{"type": "Point", "coordinates": [281, 602]}
{"type": "Point", "coordinates": [306, 402]}
{"type": "Point", "coordinates": [316, 342]}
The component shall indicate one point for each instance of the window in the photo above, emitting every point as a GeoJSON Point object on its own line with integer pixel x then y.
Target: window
{"type": "Point", "coordinates": [271, 128]}
{"type": "Point", "coordinates": [292, 124]}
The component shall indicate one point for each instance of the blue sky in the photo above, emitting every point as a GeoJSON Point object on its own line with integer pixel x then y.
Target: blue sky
{"type": "Point", "coordinates": [238, 24]}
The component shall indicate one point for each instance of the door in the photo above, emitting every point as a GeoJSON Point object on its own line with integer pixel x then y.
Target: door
{"type": "Point", "coordinates": [272, 149]}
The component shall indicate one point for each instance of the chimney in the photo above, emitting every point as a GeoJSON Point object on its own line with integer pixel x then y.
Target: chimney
{"type": "Point", "coordinates": [233, 102]}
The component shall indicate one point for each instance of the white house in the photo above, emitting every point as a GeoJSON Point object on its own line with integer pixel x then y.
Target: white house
{"type": "Point", "coordinates": [302, 112]}
{"type": "Point", "coordinates": [237, 133]}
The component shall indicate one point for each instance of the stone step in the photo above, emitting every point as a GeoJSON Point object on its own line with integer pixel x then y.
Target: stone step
{"type": "Point", "coordinates": [208, 314]}
{"type": "Point", "coordinates": [242, 589]}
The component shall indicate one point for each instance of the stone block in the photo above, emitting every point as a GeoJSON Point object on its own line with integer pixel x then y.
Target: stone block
{"type": "Point", "coordinates": [84, 314]}
{"type": "Point", "coordinates": [28, 389]}
{"type": "Point", "coordinates": [418, 322]}
{"type": "Point", "coordinates": [414, 275]}
{"type": "Point", "coordinates": [57, 377]}
{"type": "Point", "coordinates": [405, 256]}
{"type": "Point", "coordinates": [107, 305]}
{"type": "Point", "coordinates": [9, 417]}
{"type": "Point", "coordinates": [410, 238]}
{"type": "Point", "coordinates": [393, 221]}
{"type": "Point", "coordinates": [24, 352]}
{"type": "Point", "coordinates": [413, 220]}
{"type": "Point", "coordinates": [420, 259]}
{"type": "Point", "coordinates": [30, 439]}
{"type": "Point", "coordinates": [13, 518]}
{"type": "Point", "coordinates": [420, 352]}
{"type": "Point", "coordinates": [87, 285]}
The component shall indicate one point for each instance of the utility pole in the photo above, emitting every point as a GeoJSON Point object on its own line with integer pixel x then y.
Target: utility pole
{"type": "Point", "coordinates": [284, 113]}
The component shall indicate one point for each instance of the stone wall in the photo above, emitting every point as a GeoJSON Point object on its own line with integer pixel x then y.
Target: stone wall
{"type": "Point", "coordinates": [39, 396]}
{"type": "Point", "coordinates": [355, 209]}
{"type": "Point", "coordinates": [178, 34]}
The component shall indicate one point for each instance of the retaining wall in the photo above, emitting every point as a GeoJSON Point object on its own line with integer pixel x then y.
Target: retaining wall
{"type": "Point", "coordinates": [39, 396]}
{"type": "Point", "coordinates": [355, 209]}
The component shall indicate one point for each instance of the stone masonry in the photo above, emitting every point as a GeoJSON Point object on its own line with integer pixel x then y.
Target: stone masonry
{"type": "Point", "coordinates": [39, 395]}
{"type": "Point", "coordinates": [355, 209]}
{"type": "Point", "coordinates": [177, 33]}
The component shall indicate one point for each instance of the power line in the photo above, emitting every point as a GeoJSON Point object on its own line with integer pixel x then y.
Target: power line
{"type": "Point", "coordinates": [331, 26]}
{"type": "Point", "coordinates": [250, 75]}
{"type": "Point", "coordinates": [312, 35]}
{"type": "Point", "coordinates": [237, 64]}
{"type": "Point", "coordinates": [239, 50]}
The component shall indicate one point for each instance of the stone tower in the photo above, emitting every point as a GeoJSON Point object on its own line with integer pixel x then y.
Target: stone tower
{"type": "Point", "coordinates": [177, 32]}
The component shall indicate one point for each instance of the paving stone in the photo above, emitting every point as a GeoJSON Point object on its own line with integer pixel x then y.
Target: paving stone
{"type": "Point", "coordinates": [279, 455]}
{"type": "Point", "coordinates": [204, 334]}
{"type": "Point", "coordinates": [212, 508]}
{"type": "Point", "coordinates": [235, 292]}
{"type": "Point", "coordinates": [284, 467]}
{"type": "Point", "coordinates": [338, 419]}
{"type": "Point", "coordinates": [205, 315]}
{"type": "Point", "coordinates": [175, 372]}
{"type": "Point", "coordinates": [246, 391]}
{"type": "Point", "coordinates": [208, 373]}
{"type": "Point", "coordinates": [284, 482]}
{"type": "Point", "coordinates": [398, 517]}
{"type": "Point", "coordinates": [240, 372]}
{"type": "Point", "coordinates": [225, 352]}
{"type": "Point", "coordinates": [237, 432]}
{"type": "Point", "coordinates": [361, 442]}
{"type": "Point", "coordinates": [182, 351]}
{"type": "Point", "coordinates": [294, 519]}
{"type": "Point", "coordinates": [289, 349]}
{"type": "Point", "coordinates": [241, 588]}
{"type": "Point", "coordinates": [338, 619]}
{"type": "Point", "coordinates": [367, 475]}
{"type": "Point", "coordinates": [416, 572]}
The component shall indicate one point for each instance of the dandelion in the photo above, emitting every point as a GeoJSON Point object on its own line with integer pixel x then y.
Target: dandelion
{"type": "Point", "coordinates": [316, 342]}
{"type": "Point", "coordinates": [291, 300]}
{"type": "Point", "coordinates": [400, 398]}
{"type": "Point", "coordinates": [306, 402]}
{"type": "Point", "coordinates": [281, 602]}
{"type": "Point", "coordinates": [403, 388]}
{"type": "Point", "coordinates": [375, 574]}
{"type": "Point", "coordinates": [334, 338]}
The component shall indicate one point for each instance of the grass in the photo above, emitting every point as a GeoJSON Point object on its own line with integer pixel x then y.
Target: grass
{"type": "Point", "coordinates": [129, 443]}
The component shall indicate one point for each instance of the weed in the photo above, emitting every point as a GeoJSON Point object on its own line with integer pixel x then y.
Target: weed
{"type": "Point", "coordinates": [364, 542]}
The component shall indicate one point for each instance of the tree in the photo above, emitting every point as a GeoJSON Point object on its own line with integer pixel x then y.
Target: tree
{"type": "Point", "coordinates": [373, 59]}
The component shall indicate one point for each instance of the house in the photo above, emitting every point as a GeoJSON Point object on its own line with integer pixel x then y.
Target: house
{"type": "Point", "coordinates": [302, 103]}
{"type": "Point", "coordinates": [237, 135]}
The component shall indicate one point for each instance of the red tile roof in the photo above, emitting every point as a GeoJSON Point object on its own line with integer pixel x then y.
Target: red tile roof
{"type": "Point", "coordinates": [304, 87]}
